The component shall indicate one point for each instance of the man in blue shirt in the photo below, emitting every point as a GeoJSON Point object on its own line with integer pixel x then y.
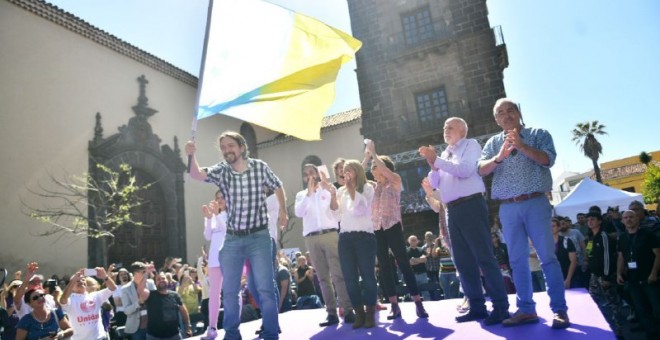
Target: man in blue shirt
{"type": "Point", "coordinates": [520, 159]}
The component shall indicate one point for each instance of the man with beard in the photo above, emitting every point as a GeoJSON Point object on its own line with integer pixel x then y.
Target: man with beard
{"type": "Point", "coordinates": [84, 308]}
{"type": "Point", "coordinates": [163, 308]}
{"type": "Point", "coordinates": [242, 182]}
{"type": "Point", "coordinates": [520, 158]}
{"type": "Point", "coordinates": [566, 230]}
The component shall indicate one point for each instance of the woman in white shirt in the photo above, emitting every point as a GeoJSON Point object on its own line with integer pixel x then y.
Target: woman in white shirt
{"type": "Point", "coordinates": [215, 231]}
{"type": "Point", "coordinates": [357, 242]}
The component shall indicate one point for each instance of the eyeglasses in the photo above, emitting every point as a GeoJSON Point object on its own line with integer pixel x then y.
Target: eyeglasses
{"type": "Point", "coordinates": [38, 296]}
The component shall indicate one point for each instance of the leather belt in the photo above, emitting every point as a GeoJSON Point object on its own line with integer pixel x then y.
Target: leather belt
{"type": "Point", "coordinates": [523, 197]}
{"type": "Point", "coordinates": [321, 232]}
{"type": "Point", "coordinates": [243, 232]}
{"type": "Point", "coordinates": [463, 199]}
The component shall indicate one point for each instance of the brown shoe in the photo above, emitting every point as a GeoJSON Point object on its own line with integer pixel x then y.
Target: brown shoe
{"type": "Point", "coordinates": [520, 318]}
{"type": "Point", "coordinates": [560, 320]}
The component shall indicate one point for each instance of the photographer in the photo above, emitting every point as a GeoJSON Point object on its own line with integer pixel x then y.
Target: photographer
{"type": "Point", "coordinates": [83, 307]}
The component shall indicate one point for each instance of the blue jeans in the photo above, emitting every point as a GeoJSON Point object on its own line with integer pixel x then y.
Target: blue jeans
{"type": "Point", "coordinates": [473, 255]}
{"type": "Point", "coordinates": [446, 281]}
{"type": "Point", "coordinates": [140, 334]}
{"type": "Point", "coordinates": [422, 279]}
{"type": "Point", "coordinates": [525, 220]}
{"type": "Point", "coordinates": [357, 257]}
{"type": "Point", "coordinates": [252, 287]}
{"type": "Point", "coordinates": [257, 248]}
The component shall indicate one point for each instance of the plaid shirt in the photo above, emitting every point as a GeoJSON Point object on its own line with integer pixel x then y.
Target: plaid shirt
{"type": "Point", "coordinates": [244, 192]}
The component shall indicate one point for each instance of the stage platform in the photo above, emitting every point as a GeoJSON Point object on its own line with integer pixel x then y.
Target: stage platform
{"type": "Point", "coordinates": [587, 323]}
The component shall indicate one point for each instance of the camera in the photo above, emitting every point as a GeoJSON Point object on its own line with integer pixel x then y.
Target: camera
{"type": "Point", "coordinates": [50, 285]}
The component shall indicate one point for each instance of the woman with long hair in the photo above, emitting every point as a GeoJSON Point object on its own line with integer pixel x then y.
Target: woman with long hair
{"type": "Point", "coordinates": [357, 242]}
{"type": "Point", "coordinates": [215, 230]}
{"type": "Point", "coordinates": [386, 216]}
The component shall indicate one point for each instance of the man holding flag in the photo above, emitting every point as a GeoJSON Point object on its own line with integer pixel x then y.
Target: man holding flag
{"type": "Point", "coordinates": [242, 181]}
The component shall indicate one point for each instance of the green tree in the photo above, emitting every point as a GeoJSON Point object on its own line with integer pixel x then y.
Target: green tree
{"type": "Point", "coordinates": [651, 186]}
{"type": "Point", "coordinates": [584, 135]}
{"type": "Point", "coordinates": [85, 207]}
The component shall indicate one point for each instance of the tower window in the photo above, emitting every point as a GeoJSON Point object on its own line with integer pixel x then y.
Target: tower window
{"type": "Point", "coordinates": [432, 106]}
{"type": "Point", "coordinates": [417, 26]}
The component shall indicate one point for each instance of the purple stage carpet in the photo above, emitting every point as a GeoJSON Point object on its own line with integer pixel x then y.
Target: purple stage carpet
{"type": "Point", "coordinates": [587, 323]}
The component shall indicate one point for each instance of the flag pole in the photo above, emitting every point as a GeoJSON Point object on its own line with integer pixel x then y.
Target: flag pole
{"type": "Point", "coordinates": [200, 79]}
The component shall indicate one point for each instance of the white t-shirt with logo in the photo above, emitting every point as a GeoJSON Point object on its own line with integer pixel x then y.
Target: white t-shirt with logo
{"type": "Point", "coordinates": [84, 312]}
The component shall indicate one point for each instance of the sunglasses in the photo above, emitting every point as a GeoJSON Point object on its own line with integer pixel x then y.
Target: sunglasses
{"type": "Point", "coordinates": [38, 296]}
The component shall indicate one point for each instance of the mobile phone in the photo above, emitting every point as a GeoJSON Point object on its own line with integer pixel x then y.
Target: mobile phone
{"type": "Point", "coordinates": [90, 272]}
{"type": "Point", "coordinates": [52, 334]}
{"type": "Point", "coordinates": [118, 265]}
{"type": "Point", "coordinates": [50, 285]}
{"type": "Point", "coordinates": [323, 169]}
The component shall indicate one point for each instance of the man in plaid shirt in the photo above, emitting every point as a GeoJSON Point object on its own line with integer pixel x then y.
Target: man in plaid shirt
{"type": "Point", "coordinates": [242, 181]}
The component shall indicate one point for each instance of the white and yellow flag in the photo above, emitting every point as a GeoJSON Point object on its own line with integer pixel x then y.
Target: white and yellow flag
{"type": "Point", "coordinates": [271, 67]}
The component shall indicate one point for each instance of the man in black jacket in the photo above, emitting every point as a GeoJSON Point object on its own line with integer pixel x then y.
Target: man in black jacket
{"type": "Point", "coordinates": [602, 264]}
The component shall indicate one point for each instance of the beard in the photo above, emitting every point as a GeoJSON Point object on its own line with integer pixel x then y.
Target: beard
{"type": "Point", "coordinates": [162, 286]}
{"type": "Point", "coordinates": [230, 157]}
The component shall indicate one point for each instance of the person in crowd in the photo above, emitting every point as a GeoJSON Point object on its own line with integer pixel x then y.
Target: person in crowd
{"type": "Point", "coordinates": [454, 172]}
{"type": "Point", "coordinates": [283, 280]}
{"type": "Point", "coordinates": [538, 281]}
{"type": "Point", "coordinates": [188, 293]}
{"type": "Point", "coordinates": [576, 237]}
{"type": "Point", "coordinates": [215, 231]}
{"type": "Point", "coordinates": [242, 181]}
{"type": "Point", "coordinates": [581, 224]}
{"type": "Point", "coordinates": [638, 266]}
{"type": "Point", "coordinates": [386, 221]}
{"type": "Point", "coordinates": [602, 264]}
{"type": "Point", "coordinates": [566, 254]}
{"type": "Point", "coordinates": [432, 261]}
{"type": "Point", "coordinates": [496, 228]}
{"type": "Point", "coordinates": [42, 322]}
{"type": "Point", "coordinates": [136, 313]}
{"type": "Point", "coordinates": [614, 216]}
{"type": "Point", "coordinates": [520, 158]}
{"type": "Point", "coordinates": [84, 307]}
{"type": "Point", "coordinates": [417, 260]}
{"type": "Point", "coordinates": [32, 280]}
{"type": "Point", "coordinates": [338, 169]}
{"type": "Point", "coordinates": [314, 206]}
{"type": "Point", "coordinates": [502, 256]}
{"type": "Point", "coordinates": [304, 276]}
{"type": "Point", "coordinates": [645, 220]}
{"type": "Point", "coordinates": [123, 277]}
{"type": "Point", "coordinates": [164, 307]}
{"type": "Point", "coordinates": [357, 242]}
{"type": "Point", "coordinates": [8, 316]}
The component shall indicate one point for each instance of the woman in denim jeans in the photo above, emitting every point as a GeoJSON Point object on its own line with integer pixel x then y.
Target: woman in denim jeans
{"type": "Point", "coordinates": [357, 242]}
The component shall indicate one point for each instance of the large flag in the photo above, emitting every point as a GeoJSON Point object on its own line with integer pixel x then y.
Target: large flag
{"type": "Point", "coordinates": [270, 66]}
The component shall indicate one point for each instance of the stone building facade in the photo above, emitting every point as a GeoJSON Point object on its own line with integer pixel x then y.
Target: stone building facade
{"type": "Point", "coordinates": [422, 62]}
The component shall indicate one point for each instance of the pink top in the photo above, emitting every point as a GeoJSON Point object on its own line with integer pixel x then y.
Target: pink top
{"type": "Point", "coordinates": [386, 207]}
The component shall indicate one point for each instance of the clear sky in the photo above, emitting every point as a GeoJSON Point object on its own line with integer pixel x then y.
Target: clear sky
{"type": "Point", "coordinates": [569, 61]}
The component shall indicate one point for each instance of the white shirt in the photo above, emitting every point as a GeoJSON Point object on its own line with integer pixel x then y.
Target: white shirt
{"type": "Point", "coordinates": [273, 207]}
{"type": "Point", "coordinates": [315, 210]}
{"type": "Point", "coordinates": [84, 312]}
{"type": "Point", "coordinates": [355, 214]}
{"type": "Point", "coordinates": [215, 230]}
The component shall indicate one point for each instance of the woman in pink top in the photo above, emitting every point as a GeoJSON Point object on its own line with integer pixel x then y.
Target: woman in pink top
{"type": "Point", "coordinates": [386, 216]}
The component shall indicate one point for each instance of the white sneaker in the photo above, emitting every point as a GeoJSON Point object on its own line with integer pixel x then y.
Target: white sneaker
{"type": "Point", "coordinates": [211, 333]}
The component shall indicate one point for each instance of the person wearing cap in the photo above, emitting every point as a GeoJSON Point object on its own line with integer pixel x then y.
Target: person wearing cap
{"type": "Point", "coordinates": [602, 264]}
{"type": "Point", "coordinates": [8, 316]}
{"type": "Point", "coordinates": [520, 159]}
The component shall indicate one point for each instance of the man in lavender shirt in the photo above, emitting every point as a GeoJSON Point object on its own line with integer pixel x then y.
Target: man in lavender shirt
{"type": "Point", "coordinates": [455, 174]}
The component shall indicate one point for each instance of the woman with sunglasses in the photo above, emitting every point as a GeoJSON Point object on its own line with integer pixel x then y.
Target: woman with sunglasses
{"type": "Point", "coordinates": [42, 322]}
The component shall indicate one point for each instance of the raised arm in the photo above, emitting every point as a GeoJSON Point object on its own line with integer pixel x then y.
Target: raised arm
{"type": "Point", "coordinates": [195, 171]}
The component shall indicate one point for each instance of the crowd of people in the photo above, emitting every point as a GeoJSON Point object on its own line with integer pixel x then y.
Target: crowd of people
{"type": "Point", "coordinates": [358, 252]}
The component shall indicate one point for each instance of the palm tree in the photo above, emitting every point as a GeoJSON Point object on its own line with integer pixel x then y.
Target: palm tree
{"type": "Point", "coordinates": [645, 158]}
{"type": "Point", "coordinates": [584, 136]}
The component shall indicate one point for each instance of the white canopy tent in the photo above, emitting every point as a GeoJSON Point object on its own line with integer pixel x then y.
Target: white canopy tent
{"type": "Point", "coordinates": [589, 193]}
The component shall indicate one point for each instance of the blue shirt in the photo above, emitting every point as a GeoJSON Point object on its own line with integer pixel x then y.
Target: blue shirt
{"type": "Point", "coordinates": [518, 175]}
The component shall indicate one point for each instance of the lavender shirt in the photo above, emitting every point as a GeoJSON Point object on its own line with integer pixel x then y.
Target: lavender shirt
{"type": "Point", "coordinates": [457, 174]}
